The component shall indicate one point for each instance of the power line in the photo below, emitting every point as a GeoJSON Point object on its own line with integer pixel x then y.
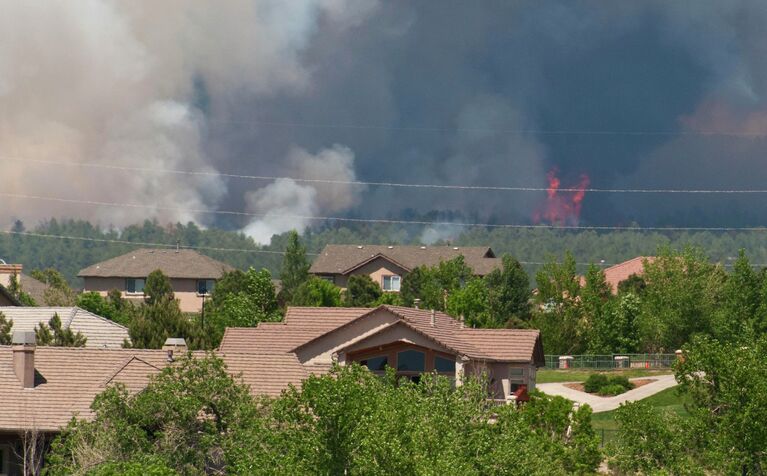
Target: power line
{"type": "Point", "coordinates": [382, 184]}
{"type": "Point", "coordinates": [555, 132]}
{"type": "Point", "coordinates": [138, 243]}
{"type": "Point", "coordinates": [382, 220]}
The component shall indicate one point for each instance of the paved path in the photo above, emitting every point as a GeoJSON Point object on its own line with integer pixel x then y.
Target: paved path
{"type": "Point", "coordinates": [605, 404]}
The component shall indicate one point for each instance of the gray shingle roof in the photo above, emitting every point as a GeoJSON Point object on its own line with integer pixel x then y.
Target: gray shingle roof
{"type": "Point", "coordinates": [174, 263]}
{"type": "Point", "coordinates": [101, 332]}
{"type": "Point", "coordinates": [342, 259]}
{"type": "Point", "coordinates": [35, 288]}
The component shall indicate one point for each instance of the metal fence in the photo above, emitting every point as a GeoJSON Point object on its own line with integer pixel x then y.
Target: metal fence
{"type": "Point", "coordinates": [606, 436]}
{"type": "Point", "coordinates": [609, 361]}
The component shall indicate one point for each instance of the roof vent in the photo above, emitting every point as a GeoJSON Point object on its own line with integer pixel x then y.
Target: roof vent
{"type": "Point", "coordinates": [173, 344]}
{"type": "Point", "coordinates": [390, 247]}
{"type": "Point", "coordinates": [359, 247]}
{"type": "Point", "coordinates": [455, 248]}
{"type": "Point", "coordinates": [433, 317]}
{"type": "Point", "coordinates": [423, 247]}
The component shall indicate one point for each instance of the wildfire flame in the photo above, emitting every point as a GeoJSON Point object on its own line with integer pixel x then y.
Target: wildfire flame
{"type": "Point", "coordinates": [562, 208]}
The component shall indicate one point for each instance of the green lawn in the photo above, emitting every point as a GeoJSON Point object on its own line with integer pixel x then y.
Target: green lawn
{"type": "Point", "coordinates": [666, 400]}
{"type": "Point", "coordinates": [551, 376]}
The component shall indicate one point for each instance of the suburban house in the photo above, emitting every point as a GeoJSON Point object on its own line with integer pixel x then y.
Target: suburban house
{"type": "Point", "coordinates": [99, 331]}
{"type": "Point", "coordinates": [620, 272]}
{"type": "Point", "coordinates": [44, 387]}
{"type": "Point", "coordinates": [36, 289]}
{"type": "Point", "coordinates": [192, 275]}
{"type": "Point", "coordinates": [411, 341]}
{"type": "Point", "coordinates": [387, 265]}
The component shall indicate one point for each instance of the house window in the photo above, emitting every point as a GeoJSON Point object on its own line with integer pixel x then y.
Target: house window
{"type": "Point", "coordinates": [375, 364]}
{"type": "Point", "coordinates": [205, 286]}
{"type": "Point", "coordinates": [411, 361]}
{"type": "Point", "coordinates": [330, 279]}
{"type": "Point", "coordinates": [391, 283]}
{"type": "Point", "coordinates": [516, 378]}
{"type": "Point", "coordinates": [134, 285]}
{"type": "Point", "coordinates": [5, 456]}
{"type": "Point", "coordinates": [443, 365]}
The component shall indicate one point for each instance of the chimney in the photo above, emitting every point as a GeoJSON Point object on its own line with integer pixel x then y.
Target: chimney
{"type": "Point", "coordinates": [432, 317]}
{"type": "Point", "coordinates": [8, 270]}
{"type": "Point", "coordinates": [173, 344]}
{"type": "Point", "coordinates": [416, 303]}
{"type": "Point", "coordinates": [24, 357]}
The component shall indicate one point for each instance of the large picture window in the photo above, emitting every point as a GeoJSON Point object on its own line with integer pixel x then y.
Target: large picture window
{"type": "Point", "coordinates": [375, 364]}
{"type": "Point", "coordinates": [135, 285]}
{"type": "Point", "coordinates": [391, 283]}
{"type": "Point", "coordinates": [205, 286]}
{"type": "Point", "coordinates": [443, 365]}
{"type": "Point", "coordinates": [411, 361]}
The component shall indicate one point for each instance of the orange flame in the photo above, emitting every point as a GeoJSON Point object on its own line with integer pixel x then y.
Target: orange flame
{"type": "Point", "coordinates": [562, 208]}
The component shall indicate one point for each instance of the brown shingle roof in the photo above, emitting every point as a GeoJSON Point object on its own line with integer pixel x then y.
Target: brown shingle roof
{"type": "Point", "coordinates": [304, 325]}
{"type": "Point", "coordinates": [174, 263]}
{"type": "Point", "coordinates": [35, 288]}
{"type": "Point", "coordinates": [69, 379]}
{"type": "Point", "coordinates": [342, 259]}
{"type": "Point", "coordinates": [617, 273]}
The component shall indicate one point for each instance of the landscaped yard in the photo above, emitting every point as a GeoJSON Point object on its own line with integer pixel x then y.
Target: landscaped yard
{"type": "Point", "coordinates": [665, 400]}
{"type": "Point", "coordinates": [553, 376]}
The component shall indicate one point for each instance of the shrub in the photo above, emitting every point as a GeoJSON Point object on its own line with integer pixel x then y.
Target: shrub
{"type": "Point", "coordinates": [621, 381]}
{"type": "Point", "coordinates": [595, 382]}
{"type": "Point", "coordinates": [611, 390]}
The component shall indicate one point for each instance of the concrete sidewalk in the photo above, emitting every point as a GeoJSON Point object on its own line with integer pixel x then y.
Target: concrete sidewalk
{"type": "Point", "coordinates": [605, 404]}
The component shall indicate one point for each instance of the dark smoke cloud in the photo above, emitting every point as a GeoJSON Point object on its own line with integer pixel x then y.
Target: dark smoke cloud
{"type": "Point", "coordinates": [430, 91]}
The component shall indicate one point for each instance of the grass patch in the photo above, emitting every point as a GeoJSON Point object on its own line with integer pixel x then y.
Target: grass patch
{"type": "Point", "coordinates": [556, 376]}
{"type": "Point", "coordinates": [668, 399]}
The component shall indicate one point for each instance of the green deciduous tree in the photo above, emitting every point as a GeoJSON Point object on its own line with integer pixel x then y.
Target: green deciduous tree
{"type": "Point", "coordinates": [615, 329]}
{"type": "Point", "coordinates": [295, 267]}
{"type": "Point", "coordinates": [240, 299]}
{"type": "Point", "coordinates": [471, 303]}
{"type": "Point", "coordinates": [508, 297]}
{"type": "Point", "coordinates": [361, 291]}
{"type": "Point", "coordinates": [433, 285]}
{"type": "Point", "coordinates": [559, 315]}
{"type": "Point", "coordinates": [317, 292]}
{"type": "Point", "coordinates": [55, 335]}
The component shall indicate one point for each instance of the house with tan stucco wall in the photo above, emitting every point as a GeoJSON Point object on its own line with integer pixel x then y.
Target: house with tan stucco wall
{"type": "Point", "coordinates": [192, 275]}
{"type": "Point", "coordinates": [387, 265]}
{"type": "Point", "coordinates": [410, 341]}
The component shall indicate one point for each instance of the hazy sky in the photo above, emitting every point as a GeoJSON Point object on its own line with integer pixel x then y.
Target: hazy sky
{"type": "Point", "coordinates": [632, 94]}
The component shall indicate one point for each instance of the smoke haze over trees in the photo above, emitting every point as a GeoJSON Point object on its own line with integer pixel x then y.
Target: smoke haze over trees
{"type": "Point", "coordinates": [631, 95]}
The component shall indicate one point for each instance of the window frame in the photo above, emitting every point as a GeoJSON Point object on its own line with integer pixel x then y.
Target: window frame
{"type": "Point", "coordinates": [208, 290]}
{"type": "Point", "coordinates": [391, 279]}
{"type": "Point", "coordinates": [134, 292]}
{"type": "Point", "coordinates": [412, 372]}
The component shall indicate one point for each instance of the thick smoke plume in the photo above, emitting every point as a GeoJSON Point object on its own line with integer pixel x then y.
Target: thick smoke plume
{"type": "Point", "coordinates": [134, 84]}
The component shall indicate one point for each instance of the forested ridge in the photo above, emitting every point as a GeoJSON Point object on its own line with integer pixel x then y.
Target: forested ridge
{"type": "Point", "coordinates": [531, 247]}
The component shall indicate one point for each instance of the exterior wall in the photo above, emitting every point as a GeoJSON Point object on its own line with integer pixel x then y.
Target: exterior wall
{"type": "Point", "coordinates": [321, 351]}
{"type": "Point", "coordinates": [376, 269]}
{"type": "Point", "coordinates": [391, 350]}
{"type": "Point", "coordinates": [184, 289]}
{"type": "Point", "coordinates": [5, 302]}
{"type": "Point", "coordinates": [396, 333]}
{"type": "Point", "coordinates": [499, 376]}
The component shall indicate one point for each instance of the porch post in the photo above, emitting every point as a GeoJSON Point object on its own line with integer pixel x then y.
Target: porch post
{"type": "Point", "coordinates": [460, 360]}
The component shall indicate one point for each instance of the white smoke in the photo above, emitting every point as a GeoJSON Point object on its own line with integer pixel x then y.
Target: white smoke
{"type": "Point", "coordinates": [287, 204]}
{"type": "Point", "coordinates": [115, 83]}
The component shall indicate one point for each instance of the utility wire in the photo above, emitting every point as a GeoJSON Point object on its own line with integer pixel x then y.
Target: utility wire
{"type": "Point", "coordinates": [381, 220]}
{"type": "Point", "coordinates": [138, 243]}
{"type": "Point", "coordinates": [380, 184]}
{"type": "Point", "coordinates": [557, 132]}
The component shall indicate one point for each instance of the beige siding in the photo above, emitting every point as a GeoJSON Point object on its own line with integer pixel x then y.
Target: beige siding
{"type": "Point", "coordinates": [184, 289]}
{"type": "Point", "coordinates": [376, 269]}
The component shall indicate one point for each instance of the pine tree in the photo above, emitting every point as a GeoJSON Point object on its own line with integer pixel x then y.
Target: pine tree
{"type": "Point", "coordinates": [5, 330]}
{"type": "Point", "coordinates": [295, 267]}
{"type": "Point", "coordinates": [157, 288]}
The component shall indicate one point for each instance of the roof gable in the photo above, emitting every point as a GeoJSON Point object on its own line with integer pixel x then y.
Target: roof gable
{"type": "Point", "coordinates": [342, 259]}
{"type": "Point", "coordinates": [183, 263]}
